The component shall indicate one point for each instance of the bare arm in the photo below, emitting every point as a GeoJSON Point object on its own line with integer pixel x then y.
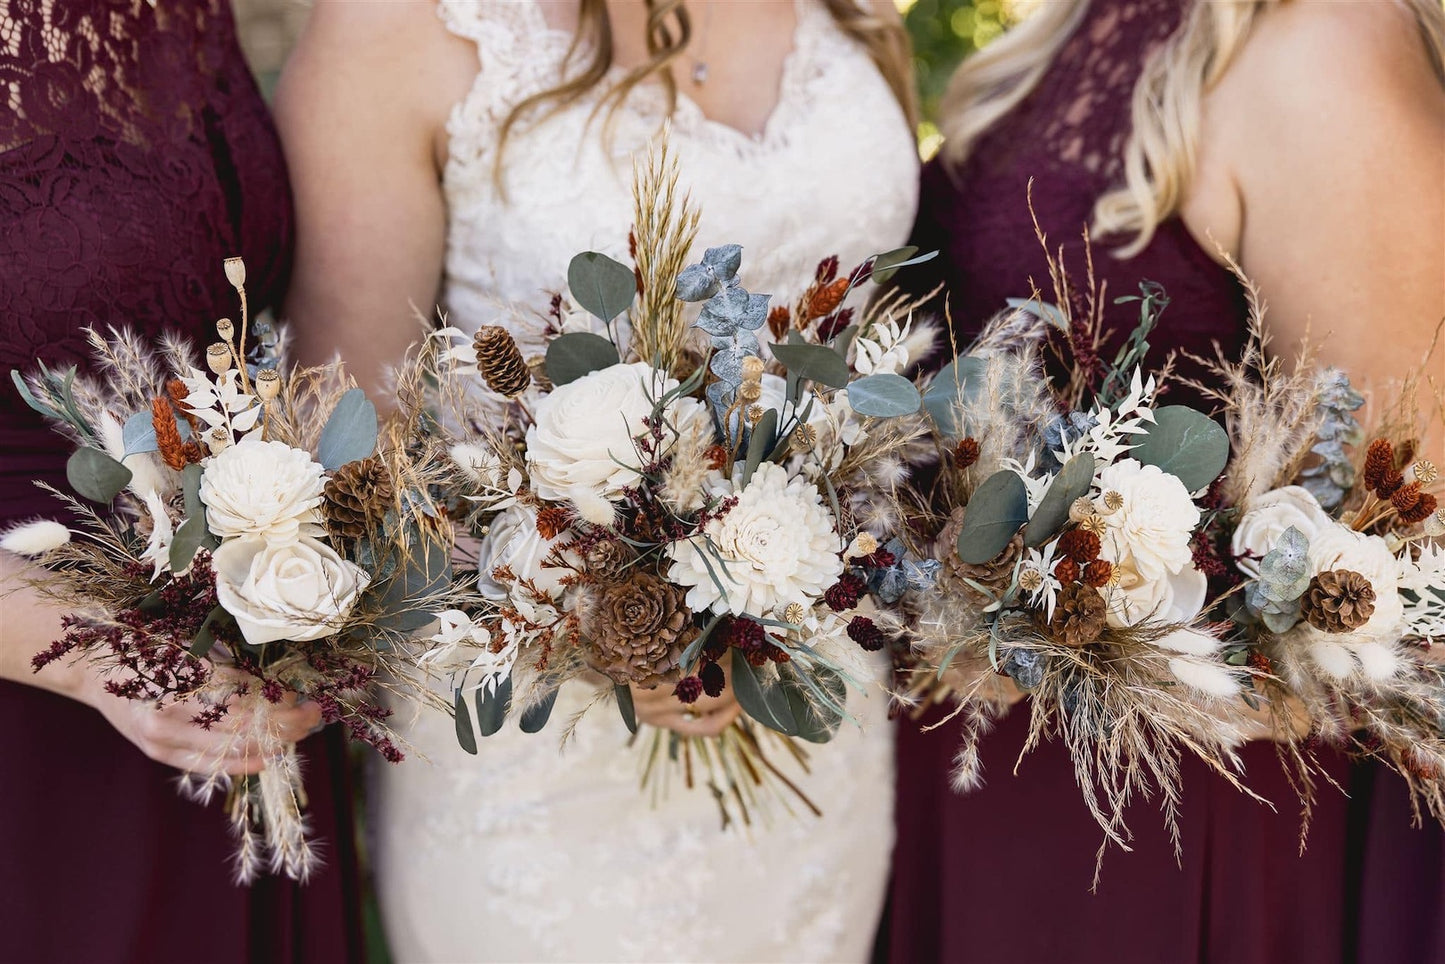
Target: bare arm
{"type": "Point", "coordinates": [1331, 127]}
{"type": "Point", "coordinates": [361, 109]}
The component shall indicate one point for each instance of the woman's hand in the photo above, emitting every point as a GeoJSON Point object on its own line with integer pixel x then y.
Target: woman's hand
{"type": "Point", "coordinates": [709, 716]}
{"type": "Point", "coordinates": [167, 735]}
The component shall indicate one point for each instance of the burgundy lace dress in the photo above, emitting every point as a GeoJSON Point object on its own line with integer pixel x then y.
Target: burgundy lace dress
{"type": "Point", "coordinates": [135, 154]}
{"type": "Point", "coordinates": [1003, 874]}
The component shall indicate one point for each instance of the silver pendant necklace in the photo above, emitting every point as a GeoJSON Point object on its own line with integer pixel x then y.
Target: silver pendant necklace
{"type": "Point", "coordinates": [699, 63]}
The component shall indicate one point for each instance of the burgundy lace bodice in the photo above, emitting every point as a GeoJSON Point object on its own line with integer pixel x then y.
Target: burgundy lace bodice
{"type": "Point", "coordinates": [1068, 136]}
{"type": "Point", "coordinates": [135, 155]}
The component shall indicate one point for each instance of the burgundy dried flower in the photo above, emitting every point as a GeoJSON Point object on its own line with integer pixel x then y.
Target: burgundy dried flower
{"type": "Point", "coordinates": [688, 689]}
{"type": "Point", "coordinates": [1080, 545]}
{"type": "Point", "coordinates": [866, 634]}
{"type": "Point", "coordinates": [713, 679]}
{"type": "Point", "coordinates": [830, 327]}
{"type": "Point", "coordinates": [845, 593]}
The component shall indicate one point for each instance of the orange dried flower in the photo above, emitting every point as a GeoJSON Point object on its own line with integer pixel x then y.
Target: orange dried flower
{"type": "Point", "coordinates": [1080, 545]}
{"type": "Point", "coordinates": [1067, 571]}
{"type": "Point", "coordinates": [168, 435]}
{"type": "Point", "coordinates": [717, 457]}
{"type": "Point", "coordinates": [825, 299]}
{"type": "Point", "coordinates": [1390, 484]}
{"type": "Point", "coordinates": [1098, 573]}
{"type": "Point", "coordinates": [1421, 510]}
{"type": "Point", "coordinates": [779, 321]}
{"type": "Point", "coordinates": [1406, 497]}
{"type": "Point", "coordinates": [177, 390]}
{"type": "Point", "coordinates": [552, 521]}
{"type": "Point", "coordinates": [966, 453]}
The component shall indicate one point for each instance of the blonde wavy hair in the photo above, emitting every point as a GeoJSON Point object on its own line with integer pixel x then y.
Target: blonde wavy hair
{"type": "Point", "coordinates": [1165, 110]}
{"type": "Point", "coordinates": [669, 30]}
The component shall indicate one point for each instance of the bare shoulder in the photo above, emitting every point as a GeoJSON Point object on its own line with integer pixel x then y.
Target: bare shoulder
{"type": "Point", "coordinates": [396, 57]}
{"type": "Point", "coordinates": [1313, 62]}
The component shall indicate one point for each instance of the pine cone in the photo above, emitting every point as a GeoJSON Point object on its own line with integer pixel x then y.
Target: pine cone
{"type": "Point", "coordinates": [500, 361]}
{"type": "Point", "coordinates": [1078, 616]}
{"type": "Point", "coordinates": [355, 498]}
{"type": "Point", "coordinates": [635, 631]}
{"type": "Point", "coordinates": [993, 575]}
{"type": "Point", "coordinates": [608, 559]}
{"type": "Point", "coordinates": [1338, 601]}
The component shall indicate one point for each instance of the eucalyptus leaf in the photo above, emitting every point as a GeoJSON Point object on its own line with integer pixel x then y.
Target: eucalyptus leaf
{"type": "Point", "coordinates": [760, 444]}
{"type": "Point", "coordinates": [815, 362]}
{"type": "Point", "coordinates": [578, 353]}
{"type": "Point", "coordinates": [1185, 443]}
{"type": "Point", "coordinates": [843, 341]}
{"type": "Point", "coordinates": [601, 285]}
{"type": "Point", "coordinates": [998, 509]}
{"type": "Point", "coordinates": [188, 538]}
{"type": "Point", "coordinates": [350, 432]}
{"type": "Point", "coordinates": [625, 707]}
{"type": "Point", "coordinates": [466, 737]}
{"type": "Point", "coordinates": [816, 722]}
{"type": "Point", "coordinates": [492, 707]}
{"type": "Point", "coordinates": [30, 398]}
{"type": "Point", "coordinates": [95, 475]}
{"type": "Point", "coordinates": [138, 435]}
{"type": "Point", "coordinates": [1072, 483]}
{"type": "Point", "coordinates": [537, 715]}
{"type": "Point", "coordinates": [883, 396]}
{"type": "Point", "coordinates": [768, 706]}
{"type": "Point", "coordinates": [952, 390]}
{"type": "Point", "coordinates": [1036, 306]}
{"type": "Point", "coordinates": [886, 265]}
{"type": "Point", "coordinates": [205, 636]}
{"type": "Point", "coordinates": [191, 489]}
{"type": "Point", "coordinates": [405, 597]}
{"type": "Point", "coordinates": [689, 655]}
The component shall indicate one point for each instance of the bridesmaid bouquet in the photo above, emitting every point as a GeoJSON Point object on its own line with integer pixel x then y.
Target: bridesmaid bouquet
{"type": "Point", "coordinates": [1334, 549]}
{"type": "Point", "coordinates": [256, 545]}
{"type": "Point", "coordinates": [1067, 524]}
{"type": "Point", "coordinates": [659, 504]}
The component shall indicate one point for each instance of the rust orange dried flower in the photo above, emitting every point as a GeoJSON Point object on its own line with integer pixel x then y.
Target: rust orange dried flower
{"type": "Point", "coordinates": [1423, 509]}
{"type": "Point", "coordinates": [177, 390]}
{"type": "Point", "coordinates": [1067, 571]}
{"type": "Point", "coordinates": [779, 321]}
{"type": "Point", "coordinates": [552, 521]}
{"type": "Point", "coordinates": [825, 299]}
{"type": "Point", "coordinates": [168, 435]}
{"type": "Point", "coordinates": [1080, 545]}
{"type": "Point", "coordinates": [1098, 573]}
{"type": "Point", "coordinates": [1379, 459]}
{"type": "Point", "coordinates": [717, 457]}
{"type": "Point", "coordinates": [965, 453]}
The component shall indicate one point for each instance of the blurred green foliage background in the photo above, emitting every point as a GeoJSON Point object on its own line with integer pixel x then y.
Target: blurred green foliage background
{"type": "Point", "coordinates": [944, 32]}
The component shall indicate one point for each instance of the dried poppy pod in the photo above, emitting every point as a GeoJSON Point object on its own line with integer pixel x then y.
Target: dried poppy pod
{"type": "Point", "coordinates": [218, 357]}
{"type": "Point", "coordinates": [500, 361]}
{"type": "Point", "coordinates": [226, 329]}
{"type": "Point", "coordinates": [235, 272]}
{"type": "Point", "coordinates": [268, 384]}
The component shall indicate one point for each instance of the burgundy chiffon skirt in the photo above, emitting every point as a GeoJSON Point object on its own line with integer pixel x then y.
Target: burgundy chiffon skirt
{"type": "Point", "coordinates": [1002, 874]}
{"type": "Point", "coordinates": [102, 860]}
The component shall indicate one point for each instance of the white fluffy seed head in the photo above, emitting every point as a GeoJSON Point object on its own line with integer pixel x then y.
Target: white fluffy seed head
{"type": "Point", "coordinates": [34, 538]}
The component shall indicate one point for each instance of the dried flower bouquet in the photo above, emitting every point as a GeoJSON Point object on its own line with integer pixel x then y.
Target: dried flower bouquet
{"type": "Point", "coordinates": [242, 536]}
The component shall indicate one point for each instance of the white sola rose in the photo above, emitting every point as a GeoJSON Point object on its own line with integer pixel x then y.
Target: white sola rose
{"type": "Point", "coordinates": [1338, 547]}
{"type": "Point", "coordinates": [1154, 524]}
{"type": "Point", "coordinates": [1266, 520]}
{"type": "Point", "coordinates": [513, 541]}
{"type": "Point", "coordinates": [261, 488]}
{"type": "Point", "coordinates": [1172, 598]}
{"type": "Point", "coordinates": [778, 545]}
{"type": "Point", "coordinates": [581, 448]}
{"type": "Point", "coordinates": [298, 590]}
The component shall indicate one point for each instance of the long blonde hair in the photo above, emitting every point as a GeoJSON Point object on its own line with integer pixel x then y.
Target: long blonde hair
{"type": "Point", "coordinates": [669, 30]}
{"type": "Point", "coordinates": [1165, 111]}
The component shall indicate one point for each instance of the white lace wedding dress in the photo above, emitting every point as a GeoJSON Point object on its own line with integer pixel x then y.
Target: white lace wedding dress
{"type": "Point", "coordinates": [526, 852]}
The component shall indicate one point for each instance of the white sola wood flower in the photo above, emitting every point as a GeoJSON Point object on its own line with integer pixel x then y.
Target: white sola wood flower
{"type": "Point", "coordinates": [1155, 522]}
{"type": "Point", "coordinates": [263, 488]}
{"type": "Point", "coordinates": [298, 590]}
{"type": "Point", "coordinates": [776, 546]}
{"type": "Point", "coordinates": [581, 447]}
{"type": "Point", "coordinates": [34, 538]}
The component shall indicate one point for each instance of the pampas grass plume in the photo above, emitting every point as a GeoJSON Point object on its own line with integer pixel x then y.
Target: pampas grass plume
{"type": "Point", "coordinates": [35, 538]}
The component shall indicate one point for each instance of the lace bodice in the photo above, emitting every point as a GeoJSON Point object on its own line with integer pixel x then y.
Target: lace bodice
{"type": "Point", "coordinates": [522, 853]}
{"type": "Point", "coordinates": [135, 155]}
{"type": "Point", "coordinates": [833, 169]}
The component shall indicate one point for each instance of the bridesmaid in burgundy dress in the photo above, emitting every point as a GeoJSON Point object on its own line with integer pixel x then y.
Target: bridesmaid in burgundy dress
{"type": "Point", "coordinates": [1335, 232]}
{"type": "Point", "coordinates": [135, 154]}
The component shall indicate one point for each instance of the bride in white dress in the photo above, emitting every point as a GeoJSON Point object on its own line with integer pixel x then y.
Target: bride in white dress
{"type": "Point", "coordinates": [794, 145]}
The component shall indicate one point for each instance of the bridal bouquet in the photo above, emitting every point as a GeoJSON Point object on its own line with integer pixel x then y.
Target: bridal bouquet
{"type": "Point", "coordinates": [255, 545]}
{"type": "Point", "coordinates": [663, 502]}
{"type": "Point", "coordinates": [1067, 525]}
{"type": "Point", "coordinates": [1334, 545]}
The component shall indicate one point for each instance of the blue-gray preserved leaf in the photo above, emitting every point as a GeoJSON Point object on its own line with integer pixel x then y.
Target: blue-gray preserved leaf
{"type": "Point", "coordinates": [998, 509]}
{"type": "Point", "coordinates": [578, 353]}
{"type": "Point", "coordinates": [350, 432]}
{"type": "Point", "coordinates": [884, 395]}
{"type": "Point", "coordinates": [1073, 482]}
{"type": "Point", "coordinates": [95, 475]}
{"type": "Point", "coordinates": [601, 285]}
{"type": "Point", "coordinates": [1185, 443]}
{"type": "Point", "coordinates": [814, 362]}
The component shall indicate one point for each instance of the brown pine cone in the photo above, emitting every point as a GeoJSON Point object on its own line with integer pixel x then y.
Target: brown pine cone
{"type": "Point", "coordinates": [608, 559]}
{"type": "Point", "coordinates": [356, 498]}
{"type": "Point", "coordinates": [500, 361]}
{"type": "Point", "coordinates": [993, 575]}
{"type": "Point", "coordinates": [1078, 616]}
{"type": "Point", "coordinates": [635, 631]}
{"type": "Point", "coordinates": [1338, 601]}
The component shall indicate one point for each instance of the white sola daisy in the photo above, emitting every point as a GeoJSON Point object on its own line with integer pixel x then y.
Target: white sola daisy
{"type": "Point", "coordinates": [777, 546]}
